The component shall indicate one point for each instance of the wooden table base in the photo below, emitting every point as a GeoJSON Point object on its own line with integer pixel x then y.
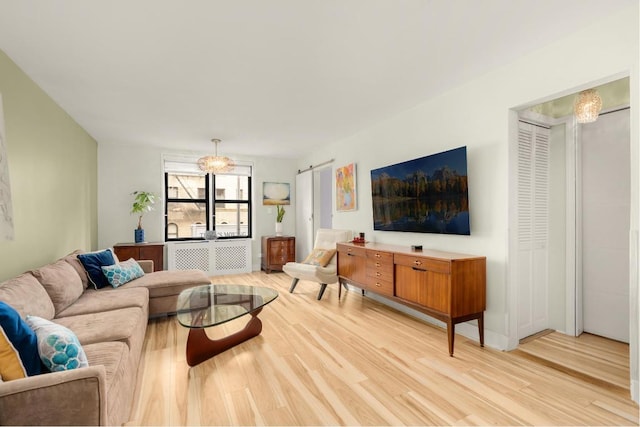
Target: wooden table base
{"type": "Point", "coordinates": [200, 347]}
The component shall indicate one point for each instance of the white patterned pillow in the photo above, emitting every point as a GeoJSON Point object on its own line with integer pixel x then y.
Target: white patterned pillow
{"type": "Point", "coordinates": [58, 347]}
{"type": "Point", "coordinates": [121, 273]}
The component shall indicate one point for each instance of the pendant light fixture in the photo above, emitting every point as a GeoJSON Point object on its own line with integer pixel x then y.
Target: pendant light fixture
{"type": "Point", "coordinates": [587, 106]}
{"type": "Point", "coordinates": [215, 164]}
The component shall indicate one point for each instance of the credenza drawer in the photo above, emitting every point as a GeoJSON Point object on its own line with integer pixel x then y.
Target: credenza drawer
{"type": "Point", "coordinates": [379, 270]}
{"type": "Point", "coordinates": [421, 263]}
{"type": "Point", "coordinates": [381, 257]}
{"type": "Point", "coordinates": [352, 251]}
{"type": "Point", "coordinates": [380, 286]}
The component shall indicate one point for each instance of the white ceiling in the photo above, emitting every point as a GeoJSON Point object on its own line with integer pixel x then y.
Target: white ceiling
{"type": "Point", "coordinates": [268, 77]}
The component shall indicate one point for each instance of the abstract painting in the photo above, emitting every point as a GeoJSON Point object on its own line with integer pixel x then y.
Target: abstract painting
{"type": "Point", "coordinates": [6, 208]}
{"type": "Point", "coordinates": [276, 193]}
{"type": "Point", "coordinates": [346, 188]}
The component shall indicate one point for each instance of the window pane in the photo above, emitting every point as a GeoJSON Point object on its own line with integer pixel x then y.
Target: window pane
{"type": "Point", "coordinates": [189, 218]}
{"type": "Point", "coordinates": [232, 187]}
{"type": "Point", "coordinates": [182, 186]}
{"type": "Point", "coordinates": [232, 219]}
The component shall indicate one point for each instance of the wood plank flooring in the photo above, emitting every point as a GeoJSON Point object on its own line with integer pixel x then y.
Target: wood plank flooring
{"type": "Point", "coordinates": [356, 362]}
{"type": "Point", "coordinates": [587, 355]}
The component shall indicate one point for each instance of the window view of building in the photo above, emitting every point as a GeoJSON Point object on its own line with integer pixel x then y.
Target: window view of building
{"type": "Point", "coordinates": [192, 208]}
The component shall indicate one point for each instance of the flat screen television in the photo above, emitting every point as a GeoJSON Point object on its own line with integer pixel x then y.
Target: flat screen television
{"type": "Point", "coordinates": [424, 195]}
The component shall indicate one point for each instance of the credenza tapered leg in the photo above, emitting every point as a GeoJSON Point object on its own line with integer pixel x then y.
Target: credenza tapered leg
{"type": "Point", "coordinates": [451, 334]}
{"type": "Point", "coordinates": [481, 329]}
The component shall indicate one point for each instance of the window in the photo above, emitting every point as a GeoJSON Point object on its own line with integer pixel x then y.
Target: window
{"type": "Point", "coordinates": [198, 202]}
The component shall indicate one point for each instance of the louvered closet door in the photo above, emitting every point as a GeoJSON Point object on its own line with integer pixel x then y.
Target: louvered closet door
{"type": "Point", "coordinates": [533, 228]}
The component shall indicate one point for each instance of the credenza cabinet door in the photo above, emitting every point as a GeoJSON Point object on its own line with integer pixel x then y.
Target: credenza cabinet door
{"type": "Point", "coordinates": [352, 264]}
{"type": "Point", "coordinates": [428, 288]}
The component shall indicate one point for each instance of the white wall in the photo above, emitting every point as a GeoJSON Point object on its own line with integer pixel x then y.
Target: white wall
{"type": "Point", "coordinates": [124, 169]}
{"type": "Point", "coordinates": [476, 114]}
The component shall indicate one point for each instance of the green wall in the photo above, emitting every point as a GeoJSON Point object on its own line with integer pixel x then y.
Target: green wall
{"type": "Point", "coordinates": [53, 174]}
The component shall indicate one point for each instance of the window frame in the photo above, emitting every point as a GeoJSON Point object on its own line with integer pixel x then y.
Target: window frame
{"type": "Point", "coordinates": [210, 202]}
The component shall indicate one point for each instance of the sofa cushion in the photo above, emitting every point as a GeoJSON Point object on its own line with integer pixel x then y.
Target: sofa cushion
{"type": "Point", "coordinates": [122, 272]}
{"type": "Point", "coordinates": [94, 301]}
{"type": "Point", "coordinates": [18, 346]}
{"type": "Point", "coordinates": [62, 283]}
{"type": "Point", "coordinates": [27, 296]}
{"type": "Point", "coordinates": [74, 262]}
{"type": "Point", "coordinates": [121, 377]}
{"type": "Point", "coordinates": [112, 325]}
{"type": "Point", "coordinates": [58, 347]}
{"type": "Point", "coordinates": [163, 283]}
{"type": "Point", "coordinates": [93, 263]}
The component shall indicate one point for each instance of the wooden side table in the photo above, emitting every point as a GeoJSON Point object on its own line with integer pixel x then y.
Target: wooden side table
{"type": "Point", "coordinates": [277, 251]}
{"type": "Point", "coordinates": [138, 251]}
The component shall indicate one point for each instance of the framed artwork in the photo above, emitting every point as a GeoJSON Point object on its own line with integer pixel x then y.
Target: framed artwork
{"type": "Point", "coordinates": [6, 208]}
{"type": "Point", "coordinates": [276, 193]}
{"type": "Point", "coordinates": [346, 188]}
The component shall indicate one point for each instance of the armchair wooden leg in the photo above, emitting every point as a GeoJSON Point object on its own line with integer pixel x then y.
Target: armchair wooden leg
{"type": "Point", "coordinates": [323, 286]}
{"type": "Point", "coordinates": [293, 285]}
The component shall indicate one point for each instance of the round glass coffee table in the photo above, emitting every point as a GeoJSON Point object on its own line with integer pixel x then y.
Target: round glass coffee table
{"type": "Point", "coordinates": [205, 306]}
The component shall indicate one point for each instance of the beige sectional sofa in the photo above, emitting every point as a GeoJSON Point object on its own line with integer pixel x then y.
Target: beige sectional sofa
{"type": "Point", "coordinates": [109, 323]}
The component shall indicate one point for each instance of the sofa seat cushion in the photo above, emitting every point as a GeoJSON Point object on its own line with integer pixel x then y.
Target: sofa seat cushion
{"type": "Point", "coordinates": [95, 301]}
{"type": "Point", "coordinates": [62, 283]}
{"type": "Point", "coordinates": [112, 325]}
{"type": "Point", "coordinates": [163, 283]}
{"type": "Point", "coordinates": [27, 296]}
{"type": "Point", "coordinates": [121, 377]}
{"type": "Point", "coordinates": [113, 355]}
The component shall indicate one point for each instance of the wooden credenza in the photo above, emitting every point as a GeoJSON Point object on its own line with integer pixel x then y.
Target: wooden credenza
{"type": "Point", "coordinates": [277, 251]}
{"type": "Point", "coordinates": [138, 251]}
{"type": "Point", "coordinates": [447, 286]}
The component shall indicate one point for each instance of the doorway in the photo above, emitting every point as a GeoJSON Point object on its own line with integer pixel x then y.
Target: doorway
{"type": "Point", "coordinates": [572, 261]}
{"type": "Point", "coordinates": [579, 173]}
{"type": "Point", "coordinates": [314, 206]}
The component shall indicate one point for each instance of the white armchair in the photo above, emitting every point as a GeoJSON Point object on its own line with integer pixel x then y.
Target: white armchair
{"type": "Point", "coordinates": [325, 239]}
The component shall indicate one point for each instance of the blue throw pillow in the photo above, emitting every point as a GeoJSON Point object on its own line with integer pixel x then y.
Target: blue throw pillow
{"type": "Point", "coordinates": [93, 263]}
{"type": "Point", "coordinates": [18, 346]}
{"type": "Point", "coordinates": [58, 347]}
{"type": "Point", "coordinates": [124, 272]}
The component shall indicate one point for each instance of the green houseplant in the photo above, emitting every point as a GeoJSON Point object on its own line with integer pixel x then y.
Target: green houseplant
{"type": "Point", "coordinates": [143, 201]}
{"type": "Point", "coordinates": [279, 217]}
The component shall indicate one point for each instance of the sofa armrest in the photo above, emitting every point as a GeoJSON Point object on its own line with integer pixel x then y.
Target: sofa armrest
{"type": "Point", "coordinates": [75, 397]}
{"type": "Point", "coordinates": [146, 265]}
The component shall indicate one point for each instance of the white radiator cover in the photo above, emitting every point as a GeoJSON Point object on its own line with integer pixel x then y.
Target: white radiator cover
{"type": "Point", "coordinates": [215, 257]}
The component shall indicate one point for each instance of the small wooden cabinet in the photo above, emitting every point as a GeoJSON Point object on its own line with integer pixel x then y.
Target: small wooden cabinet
{"type": "Point", "coordinates": [139, 251]}
{"type": "Point", "coordinates": [277, 251]}
{"type": "Point", "coordinates": [447, 286]}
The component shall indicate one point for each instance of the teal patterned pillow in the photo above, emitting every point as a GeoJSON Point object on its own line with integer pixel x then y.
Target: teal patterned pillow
{"type": "Point", "coordinates": [58, 347]}
{"type": "Point", "coordinates": [124, 272]}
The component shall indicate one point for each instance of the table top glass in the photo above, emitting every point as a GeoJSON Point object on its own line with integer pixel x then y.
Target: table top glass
{"type": "Point", "coordinates": [210, 305]}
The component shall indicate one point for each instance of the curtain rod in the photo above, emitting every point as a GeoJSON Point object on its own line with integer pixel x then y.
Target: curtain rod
{"type": "Point", "coordinates": [316, 166]}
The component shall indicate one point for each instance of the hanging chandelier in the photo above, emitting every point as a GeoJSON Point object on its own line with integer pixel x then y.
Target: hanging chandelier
{"type": "Point", "coordinates": [215, 164]}
{"type": "Point", "coordinates": [587, 106]}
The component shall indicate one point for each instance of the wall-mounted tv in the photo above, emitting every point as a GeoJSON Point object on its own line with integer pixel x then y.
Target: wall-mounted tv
{"type": "Point", "coordinates": [424, 195]}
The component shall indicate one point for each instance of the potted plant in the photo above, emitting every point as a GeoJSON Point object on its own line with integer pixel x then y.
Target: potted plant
{"type": "Point", "coordinates": [279, 218]}
{"type": "Point", "coordinates": [142, 202]}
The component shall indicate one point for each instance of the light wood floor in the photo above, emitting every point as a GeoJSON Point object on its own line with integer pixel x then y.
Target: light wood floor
{"type": "Point", "coordinates": [356, 362]}
{"type": "Point", "coordinates": [587, 355]}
